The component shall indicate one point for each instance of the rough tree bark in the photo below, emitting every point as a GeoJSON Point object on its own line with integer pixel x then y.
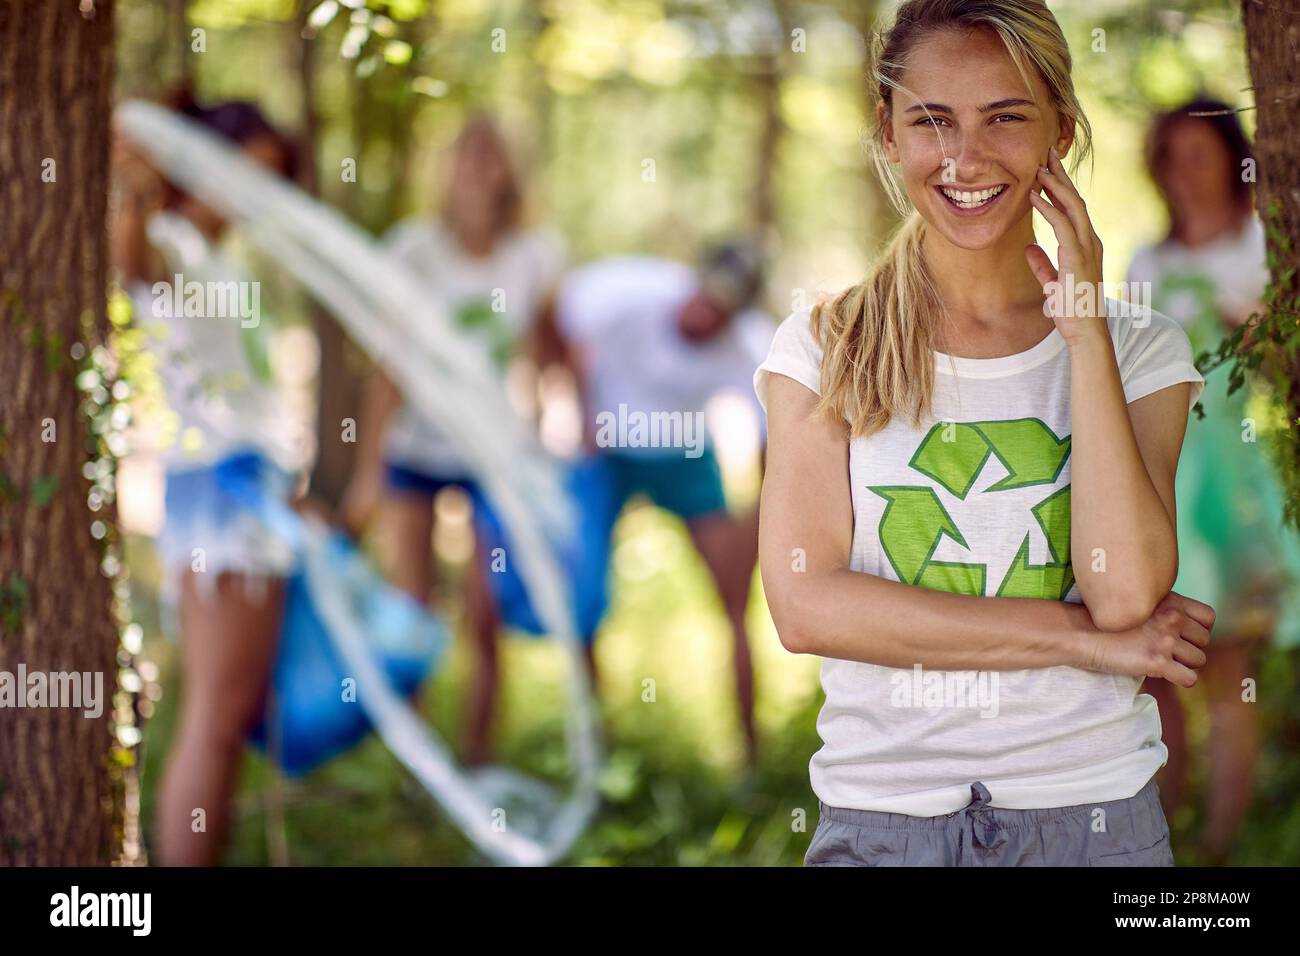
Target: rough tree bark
{"type": "Point", "coordinates": [56, 70]}
{"type": "Point", "coordinates": [1273, 51]}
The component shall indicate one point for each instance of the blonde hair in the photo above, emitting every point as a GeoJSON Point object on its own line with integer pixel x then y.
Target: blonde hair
{"type": "Point", "coordinates": [878, 336]}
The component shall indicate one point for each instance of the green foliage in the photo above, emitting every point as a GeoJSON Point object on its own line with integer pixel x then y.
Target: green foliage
{"type": "Point", "coordinates": [1266, 348]}
{"type": "Point", "coordinates": [43, 490]}
{"type": "Point", "coordinates": [33, 333]}
{"type": "Point", "coordinates": [14, 595]}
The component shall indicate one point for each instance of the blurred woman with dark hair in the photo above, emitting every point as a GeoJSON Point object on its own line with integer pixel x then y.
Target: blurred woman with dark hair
{"type": "Point", "coordinates": [1209, 273]}
{"type": "Point", "coordinates": [212, 359]}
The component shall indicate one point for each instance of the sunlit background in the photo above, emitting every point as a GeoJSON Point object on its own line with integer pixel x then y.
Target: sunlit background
{"type": "Point", "coordinates": [749, 113]}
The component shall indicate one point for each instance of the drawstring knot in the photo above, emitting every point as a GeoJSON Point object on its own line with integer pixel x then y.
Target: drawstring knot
{"type": "Point", "coordinates": [983, 832]}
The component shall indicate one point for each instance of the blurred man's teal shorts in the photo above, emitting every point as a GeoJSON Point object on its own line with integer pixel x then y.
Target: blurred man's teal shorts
{"type": "Point", "coordinates": [690, 488]}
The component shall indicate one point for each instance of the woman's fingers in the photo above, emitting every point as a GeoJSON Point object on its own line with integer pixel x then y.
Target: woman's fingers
{"type": "Point", "coordinates": [1070, 212]}
{"type": "Point", "coordinates": [1194, 631]}
{"type": "Point", "coordinates": [1176, 673]}
{"type": "Point", "coordinates": [1067, 196]}
{"type": "Point", "coordinates": [1188, 653]}
{"type": "Point", "coordinates": [1040, 264]}
{"type": "Point", "coordinates": [1200, 612]}
{"type": "Point", "coordinates": [1057, 219]}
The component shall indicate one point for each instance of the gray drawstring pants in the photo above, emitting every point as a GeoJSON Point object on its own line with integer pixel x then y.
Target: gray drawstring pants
{"type": "Point", "coordinates": [1130, 832]}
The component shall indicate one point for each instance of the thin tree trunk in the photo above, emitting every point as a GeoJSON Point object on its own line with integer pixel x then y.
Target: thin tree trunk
{"type": "Point", "coordinates": [185, 62]}
{"type": "Point", "coordinates": [56, 72]}
{"type": "Point", "coordinates": [882, 217]}
{"type": "Point", "coordinates": [769, 94]}
{"type": "Point", "coordinates": [338, 388]}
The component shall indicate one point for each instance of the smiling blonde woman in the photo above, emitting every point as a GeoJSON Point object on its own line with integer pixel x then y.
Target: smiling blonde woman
{"type": "Point", "coordinates": [970, 476]}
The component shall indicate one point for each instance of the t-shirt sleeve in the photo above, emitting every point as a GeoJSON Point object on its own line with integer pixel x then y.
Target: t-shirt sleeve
{"type": "Point", "coordinates": [402, 242]}
{"type": "Point", "coordinates": [1241, 286]}
{"type": "Point", "coordinates": [1153, 352]}
{"type": "Point", "coordinates": [576, 300]}
{"type": "Point", "coordinates": [1143, 267]}
{"type": "Point", "coordinates": [753, 337]}
{"type": "Point", "coordinates": [549, 256]}
{"type": "Point", "coordinates": [793, 353]}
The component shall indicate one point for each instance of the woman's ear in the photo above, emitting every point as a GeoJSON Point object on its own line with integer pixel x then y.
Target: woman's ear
{"type": "Point", "coordinates": [1066, 139]}
{"type": "Point", "coordinates": [887, 132]}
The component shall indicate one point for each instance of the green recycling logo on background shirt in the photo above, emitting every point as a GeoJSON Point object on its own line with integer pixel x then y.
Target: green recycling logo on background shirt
{"type": "Point", "coordinates": [479, 318]}
{"type": "Point", "coordinates": [954, 454]}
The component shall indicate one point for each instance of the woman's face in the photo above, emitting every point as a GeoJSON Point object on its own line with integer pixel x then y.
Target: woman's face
{"type": "Point", "coordinates": [1196, 167]}
{"type": "Point", "coordinates": [267, 152]}
{"type": "Point", "coordinates": [969, 136]}
{"type": "Point", "coordinates": [480, 174]}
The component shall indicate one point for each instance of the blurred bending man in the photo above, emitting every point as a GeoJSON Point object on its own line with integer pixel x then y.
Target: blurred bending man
{"type": "Point", "coordinates": [651, 341]}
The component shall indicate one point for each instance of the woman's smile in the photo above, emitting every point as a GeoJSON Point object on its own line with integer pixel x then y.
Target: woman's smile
{"type": "Point", "coordinates": [971, 202]}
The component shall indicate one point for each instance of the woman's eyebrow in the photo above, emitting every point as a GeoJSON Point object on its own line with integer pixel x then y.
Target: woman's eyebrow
{"type": "Point", "coordinates": [987, 108]}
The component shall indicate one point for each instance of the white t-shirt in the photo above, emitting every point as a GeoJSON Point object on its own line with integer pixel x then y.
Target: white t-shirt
{"type": "Point", "coordinates": [620, 316]}
{"type": "Point", "coordinates": [495, 299]}
{"type": "Point", "coordinates": [1229, 274]}
{"type": "Point", "coordinates": [976, 501]}
{"type": "Point", "coordinates": [212, 358]}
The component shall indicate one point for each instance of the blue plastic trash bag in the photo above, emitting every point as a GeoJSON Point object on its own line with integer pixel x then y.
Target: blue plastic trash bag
{"type": "Point", "coordinates": [312, 711]}
{"type": "Point", "coordinates": [311, 714]}
{"type": "Point", "coordinates": [584, 557]}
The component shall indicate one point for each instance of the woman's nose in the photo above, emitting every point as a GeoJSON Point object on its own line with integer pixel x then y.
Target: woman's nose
{"type": "Point", "coordinates": [969, 157]}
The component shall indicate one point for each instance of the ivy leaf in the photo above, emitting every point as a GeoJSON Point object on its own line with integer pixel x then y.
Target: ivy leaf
{"type": "Point", "coordinates": [43, 490]}
{"type": "Point", "coordinates": [13, 602]}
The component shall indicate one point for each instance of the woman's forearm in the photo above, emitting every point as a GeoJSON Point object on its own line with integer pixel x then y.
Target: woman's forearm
{"type": "Point", "coordinates": [130, 248]}
{"type": "Point", "coordinates": [1122, 541]}
{"type": "Point", "coordinates": [854, 616]}
{"type": "Point", "coordinates": [379, 404]}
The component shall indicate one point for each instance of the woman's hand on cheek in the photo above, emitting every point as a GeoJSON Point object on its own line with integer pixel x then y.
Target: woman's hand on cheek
{"type": "Point", "coordinates": [1075, 298]}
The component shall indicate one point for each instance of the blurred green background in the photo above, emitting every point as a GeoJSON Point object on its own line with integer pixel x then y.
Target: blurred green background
{"type": "Point", "coordinates": [743, 130]}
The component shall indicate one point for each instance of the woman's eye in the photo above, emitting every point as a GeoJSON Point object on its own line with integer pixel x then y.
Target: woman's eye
{"type": "Point", "coordinates": [1006, 116]}
{"type": "Point", "coordinates": [929, 121]}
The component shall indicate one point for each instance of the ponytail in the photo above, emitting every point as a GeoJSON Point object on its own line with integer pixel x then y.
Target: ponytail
{"type": "Point", "coordinates": [878, 339]}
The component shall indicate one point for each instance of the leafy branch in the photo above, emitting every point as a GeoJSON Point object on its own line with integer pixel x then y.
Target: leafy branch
{"type": "Point", "coordinates": [1265, 349]}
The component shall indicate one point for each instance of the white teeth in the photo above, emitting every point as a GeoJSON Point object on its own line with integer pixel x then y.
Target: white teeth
{"type": "Point", "coordinates": [968, 200]}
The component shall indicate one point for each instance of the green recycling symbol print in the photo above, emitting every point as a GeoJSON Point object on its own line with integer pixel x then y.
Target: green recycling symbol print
{"type": "Point", "coordinates": [953, 454]}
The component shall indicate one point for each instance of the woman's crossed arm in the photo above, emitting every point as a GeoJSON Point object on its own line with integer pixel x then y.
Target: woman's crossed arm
{"type": "Point", "coordinates": [821, 607]}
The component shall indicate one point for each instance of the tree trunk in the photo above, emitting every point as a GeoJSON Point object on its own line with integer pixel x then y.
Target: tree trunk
{"type": "Point", "coordinates": [338, 380]}
{"type": "Point", "coordinates": [882, 217]}
{"type": "Point", "coordinates": [56, 72]}
{"type": "Point", "coordinates": [768, 83]}
{"type": "Point", "coordinates": [1273, 50]}
{"type": "Point", "coordinates": [180, 18]}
